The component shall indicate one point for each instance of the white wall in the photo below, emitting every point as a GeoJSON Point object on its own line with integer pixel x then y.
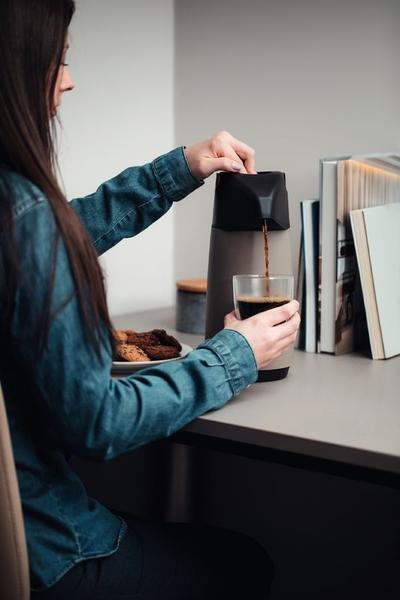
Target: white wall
{"type": "Point", "coordinates": [296, 79]}
{"type": "Point", "coordinates": [121, 114]}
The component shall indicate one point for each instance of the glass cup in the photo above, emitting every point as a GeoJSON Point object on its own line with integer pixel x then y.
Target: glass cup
{"type": "Point", "coordinates": [255, 293]}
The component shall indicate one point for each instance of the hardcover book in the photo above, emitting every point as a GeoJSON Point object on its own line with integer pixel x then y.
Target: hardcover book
{"type": "Point", "coordinates": [377, 243]}
{"type": "Point", "coordinates": [308, 272]}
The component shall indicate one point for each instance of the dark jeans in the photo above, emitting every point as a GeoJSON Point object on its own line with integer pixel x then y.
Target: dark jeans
{"type": "Point", "coordinates": [162, 561]}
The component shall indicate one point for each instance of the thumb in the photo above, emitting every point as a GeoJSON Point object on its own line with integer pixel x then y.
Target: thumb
{"type": "Point", "coordinates": [230, 319]}
{"type": "Point", "coordinates": [226, 164]}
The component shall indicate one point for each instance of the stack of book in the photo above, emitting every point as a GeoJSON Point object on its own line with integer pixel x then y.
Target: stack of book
{"type": "Point", "coordinates": [350, 254]}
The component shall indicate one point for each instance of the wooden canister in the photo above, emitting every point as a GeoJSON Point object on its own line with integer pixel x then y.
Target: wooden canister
{"type": "Point", "coordinates": [191, 305]}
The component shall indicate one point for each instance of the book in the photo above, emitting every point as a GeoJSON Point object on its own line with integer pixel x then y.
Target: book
{"type": "Point", "coordinates": [347, 184]}
{"type": "Point", "coordinates": [309, 265]}
{"type": "Point", "coordinates": [328, 195]}
{"type": "Point", "coordinates": [377, 243]}
{"type": "Point", "coordinates": [300, 344]}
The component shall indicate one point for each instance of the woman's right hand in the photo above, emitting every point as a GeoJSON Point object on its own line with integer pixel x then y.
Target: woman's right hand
{"type": "Point", "coordinates": [269, 333]}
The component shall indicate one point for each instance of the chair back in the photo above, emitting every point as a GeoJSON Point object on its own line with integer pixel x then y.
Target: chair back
{"type": "Point", "coordinates": [14, 569]}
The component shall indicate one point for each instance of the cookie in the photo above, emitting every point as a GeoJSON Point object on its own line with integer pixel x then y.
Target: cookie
{"type": "Point", "coordinates": [142, 339]}
{"type": "Point", "coordinates": [160, 352]}
{"type": "Point", "coordinates": [131, 353]}
{"type": "Point", "coordinates": [121, 336]}
{"type": "Point", "coordinates": [165, 339]}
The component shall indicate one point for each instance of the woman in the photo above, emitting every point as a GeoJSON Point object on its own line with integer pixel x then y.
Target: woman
{"type": "Point", "coordinates": [56, 345]}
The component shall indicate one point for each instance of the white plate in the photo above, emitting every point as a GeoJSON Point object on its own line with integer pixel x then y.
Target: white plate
{"type": "Point", "coordinates": [131, 367]}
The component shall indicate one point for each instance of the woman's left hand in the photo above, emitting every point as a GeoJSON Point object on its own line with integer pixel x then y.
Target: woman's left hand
{"type": "Point", "coordinates": [222, 152]}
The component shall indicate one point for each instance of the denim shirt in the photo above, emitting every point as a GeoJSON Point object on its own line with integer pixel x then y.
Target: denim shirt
{"type": "Point", "coordinates": [66, 402]}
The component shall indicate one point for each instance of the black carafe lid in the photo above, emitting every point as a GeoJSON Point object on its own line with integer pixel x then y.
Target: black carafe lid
{"type": "Point", "coordinates": [243, 201]}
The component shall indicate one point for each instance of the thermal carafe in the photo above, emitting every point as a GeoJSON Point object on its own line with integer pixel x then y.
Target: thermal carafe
{"type": "Point", "coordinates": [242, 203]}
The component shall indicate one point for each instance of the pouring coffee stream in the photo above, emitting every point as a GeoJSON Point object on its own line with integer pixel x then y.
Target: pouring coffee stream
{"type": "Point", "coordinates": [266, 252]}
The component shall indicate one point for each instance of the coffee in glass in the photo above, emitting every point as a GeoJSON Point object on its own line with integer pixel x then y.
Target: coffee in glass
{"type": "Point", "coordinates": [251, 305]}
{"type": "Point", "coordinates": [255, 293]}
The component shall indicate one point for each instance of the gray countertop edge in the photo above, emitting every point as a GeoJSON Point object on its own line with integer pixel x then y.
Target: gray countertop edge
{"type": "Point", "coordinates": [296, 445]}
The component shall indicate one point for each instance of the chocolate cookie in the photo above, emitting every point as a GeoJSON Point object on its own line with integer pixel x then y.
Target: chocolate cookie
{"type": "Point", "coordinates": [165, 339]}
{"type": "Point", "coordinates": [160, 352]}
{"type": "Point", "coordinates": [142, 339]}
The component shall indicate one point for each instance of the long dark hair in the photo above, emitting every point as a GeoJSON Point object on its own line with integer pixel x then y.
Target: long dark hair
{"type": "Point", "coordinates": [33, 34]}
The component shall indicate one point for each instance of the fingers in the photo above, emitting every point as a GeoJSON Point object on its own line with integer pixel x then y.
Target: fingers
{"type": "Point", "coordinates": [269, 333]}
{"type": "Point", "coordinates": [244, 151]}
{"type": "Point", "coordinates": [283, 345]}
{"type": "Point", "coordinates": [287, 329]}
{"type": "Point", "coordinates": [224, 164]}
{"type": "Point", "coordinates": [236, 150]}
{"type": "Point", "coordinates": [247, 154]}
{"type": "Point", "coordinates": [280, 345]}
{"type": "Point", "coordinates": [222, 152]}
{"type": "Point", "coordinates": [229, 152]}
{"type": "Point", "coordinates": [230, 319]}
{"type": "Point", "coordinates": [275, 316]}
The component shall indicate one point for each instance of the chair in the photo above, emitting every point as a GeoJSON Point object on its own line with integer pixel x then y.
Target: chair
{"type": "Point", "coordinates": [14, 570]}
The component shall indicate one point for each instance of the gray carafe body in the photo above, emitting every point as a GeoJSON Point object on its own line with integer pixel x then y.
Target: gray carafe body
{"type": "Point", "coordinates": [242, 202]}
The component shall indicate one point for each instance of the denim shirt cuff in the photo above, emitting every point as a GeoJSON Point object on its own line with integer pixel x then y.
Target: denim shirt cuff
{"type": "Point", "coordinates": [174, 176]}
{"type": "Point", "coordinates": [237, 355]}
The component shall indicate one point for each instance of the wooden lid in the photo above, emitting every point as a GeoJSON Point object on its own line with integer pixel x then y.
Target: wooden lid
{"type": "Point", "coordinates": [197, 286]}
